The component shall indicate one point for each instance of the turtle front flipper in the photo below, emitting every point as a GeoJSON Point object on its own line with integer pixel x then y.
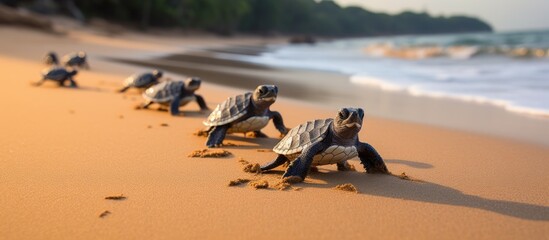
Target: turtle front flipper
{"type": "Point", "coordinates": [370, 159]}
{"type": "Point", "coordinates": [278, 122]}
{"type": "Point", "coordinates": [281, 159]}
{"type": "Point", "coordinates": [73, 83]}
{"type": "Point", "coordinates": [174, 106]}
{"type": "Point", "coordinates": [300, 166]}
{"type": "Point", "coordinates": [201, 102]}
{"type": "Point", "coordinates": [216, 136]}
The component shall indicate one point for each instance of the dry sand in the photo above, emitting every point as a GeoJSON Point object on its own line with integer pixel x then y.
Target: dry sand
{"type": "Point", "coordinates": [62, 151]}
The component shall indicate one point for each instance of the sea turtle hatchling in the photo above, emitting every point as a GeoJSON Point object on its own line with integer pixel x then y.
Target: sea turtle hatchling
{"type": "Point", "coordinates": [244, 113]}
{"type": "Point", "coordinates": [77, 59]}
{"type": "Point", "coordinates": [326, 141]}
{"type": "Point", "coordinates": [142, 80]}
{"type": "Point", "coordinates": [174, 94]}
{"type": "Point", "coordinates": [51, 59]}
{"type": "Point", "coordinates": [58, 74]}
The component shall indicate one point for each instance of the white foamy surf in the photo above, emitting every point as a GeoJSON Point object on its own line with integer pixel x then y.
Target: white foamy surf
{"type": "Point", "coordinates": [508, 70]}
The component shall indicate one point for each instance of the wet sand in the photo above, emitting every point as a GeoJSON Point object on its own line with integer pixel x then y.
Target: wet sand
{"type": "Point", "coordinates": [64, 150]}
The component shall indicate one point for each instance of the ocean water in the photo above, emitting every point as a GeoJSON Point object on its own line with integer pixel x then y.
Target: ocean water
{"type": "Point", "coordinates": [509, 70]}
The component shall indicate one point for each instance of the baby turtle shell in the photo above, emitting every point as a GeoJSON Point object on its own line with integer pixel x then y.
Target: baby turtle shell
{"type": "Point", "coordinates": [76, 59]}
{"type": "Point", "coordinates": [303, 136]}
{"type": "Point", "coordinates": [58, 74]}
{"type": "Point", "coordinates": [164, 91]}
{"type": "Point", "coordinates": [55, 73]}
{"type": "Point", "coordinates": [230, 110]}
{"type": "Point", "coordinates": [139, 81]}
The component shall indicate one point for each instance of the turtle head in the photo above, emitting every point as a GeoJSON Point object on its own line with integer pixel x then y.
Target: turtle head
{"type": "Point", "coordinates": [192, 83]}
{"type": "Point", "coordinates": [348, 122]}
{"type": "Point", "coordinates": [265, 95]}
{"type": "Point", "coordinates": [157, 74]}
{"type": "Point", "coordinates": [73, 72]}
{"type": "Point", "coordinates": [51, 58]}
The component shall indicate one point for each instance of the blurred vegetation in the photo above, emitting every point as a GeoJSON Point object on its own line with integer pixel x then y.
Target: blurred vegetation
{"type": "Point", "coordinates": [319, 18]}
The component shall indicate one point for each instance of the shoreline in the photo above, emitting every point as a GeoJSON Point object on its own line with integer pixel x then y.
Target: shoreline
{"type": "Point", "coordinates": [301, 84]}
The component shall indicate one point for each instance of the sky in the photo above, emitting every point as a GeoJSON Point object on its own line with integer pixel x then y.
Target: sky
{"type": "Point", "coordinates": [503, 15]}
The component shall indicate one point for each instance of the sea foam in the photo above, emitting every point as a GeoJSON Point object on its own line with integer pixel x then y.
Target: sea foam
{"type": "Point", "coordinates": [477, 68]}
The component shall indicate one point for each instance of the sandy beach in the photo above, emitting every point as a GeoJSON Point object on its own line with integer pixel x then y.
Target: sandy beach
{"type": "Point", "coordinates": [64, 150]}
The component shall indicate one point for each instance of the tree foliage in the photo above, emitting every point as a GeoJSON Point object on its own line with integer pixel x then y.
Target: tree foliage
{"type": "Point", "coordinates": [321, 18]}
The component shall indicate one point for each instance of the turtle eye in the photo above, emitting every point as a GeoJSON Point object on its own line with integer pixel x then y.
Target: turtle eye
{"type": "Point", "coordinates": [344, 113]}
{"type": "Point", "coordinates": [262, 90]}
{"type": "Point", "coordinates": [360, 113]}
